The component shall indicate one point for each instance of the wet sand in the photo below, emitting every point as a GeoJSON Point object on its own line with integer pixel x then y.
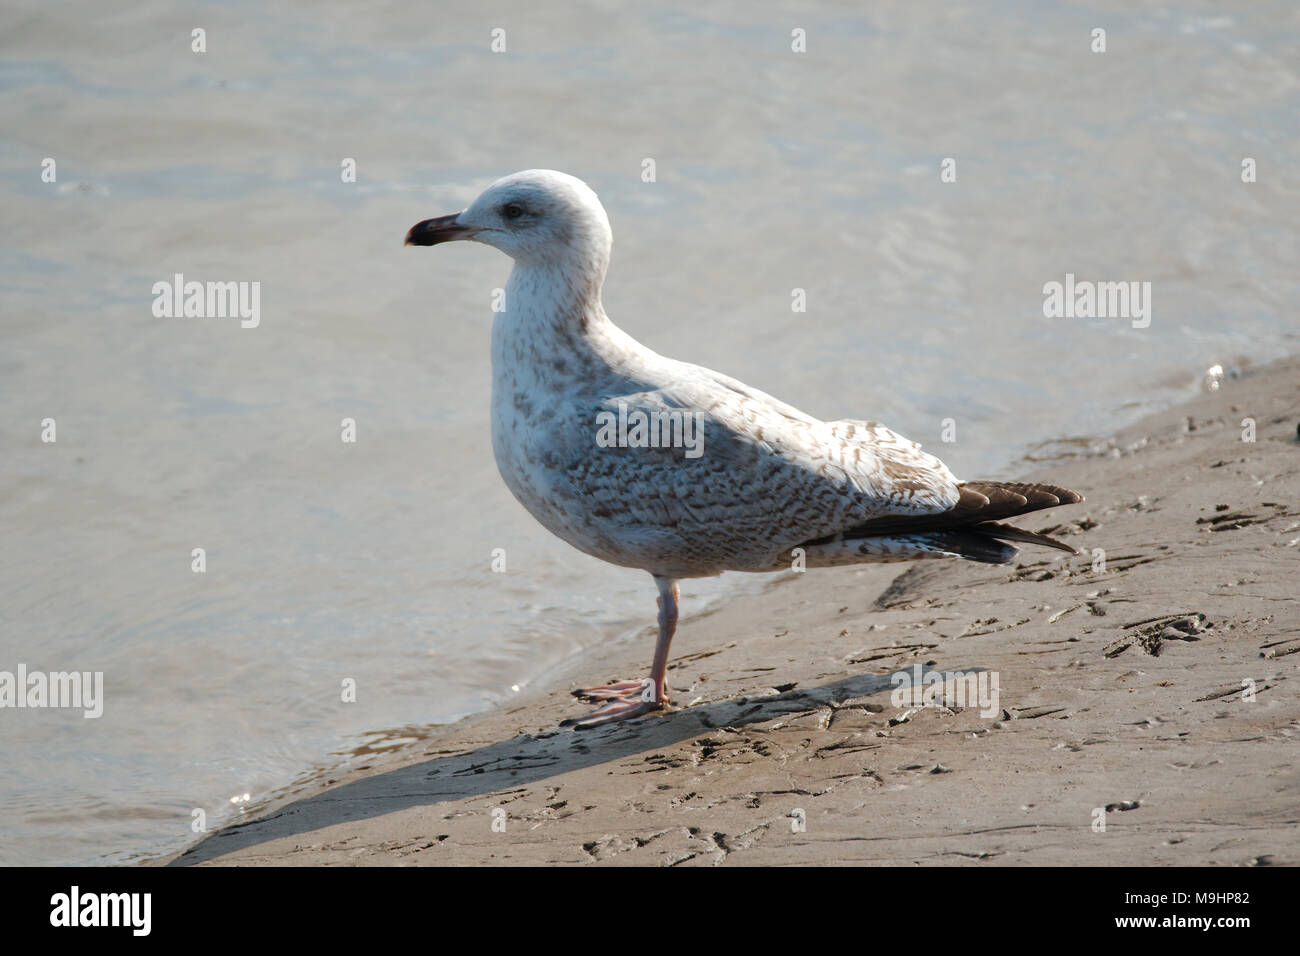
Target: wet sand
{"type": "Point", "coordinates": [1125, 696]}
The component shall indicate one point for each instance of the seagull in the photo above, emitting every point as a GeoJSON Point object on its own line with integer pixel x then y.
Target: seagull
{"type": "Point", "coordinates": [648, 462]}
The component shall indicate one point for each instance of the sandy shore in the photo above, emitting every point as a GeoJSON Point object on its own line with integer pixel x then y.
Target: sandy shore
{"type": "Point", "coordinates": [1123, 697]}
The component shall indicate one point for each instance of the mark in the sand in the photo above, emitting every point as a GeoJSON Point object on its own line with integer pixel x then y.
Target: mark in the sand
{"type": "Point", "coordinates": [1033, 713]}
{"type": "Point", "coordinates": [985, 629]}
{"type": "Point", "coordinates": [397, 848]}
{"type": "Point", "coordinates": [519, 762]}
{"type": "Point", "coordinates": [1151, 633]}
{"type": "Point", "coordinates": [1114, 563]}
{"type": "Point", "coordinates": [1069, 527]}
{"type": "Point", "coordinates": [1232, 521]}
{"type": "Point", "coordinates": [1229, 691]}
{"type": "Point", "coordinates": [1062, 449]}
{"type": "Point", "coordinates": [691, 658]}
{"type": "Point", "coordinates": [1060, 614]}
{"type": "Point", "coordinates": [1282, 648]}
{"type": "Point", "coordinates": [843, 747]}
{"type": "Point", "coordinates": [892, 650]}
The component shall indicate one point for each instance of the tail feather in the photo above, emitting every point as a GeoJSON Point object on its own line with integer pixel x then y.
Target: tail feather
{"type": "Point", "coordinates": [980, 501]}
{"type": "Point", "coordinates": [973, 528]}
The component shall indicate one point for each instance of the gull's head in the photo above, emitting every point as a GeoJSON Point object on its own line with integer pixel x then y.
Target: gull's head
{"type": "Point", "coordinates": [537, 217]}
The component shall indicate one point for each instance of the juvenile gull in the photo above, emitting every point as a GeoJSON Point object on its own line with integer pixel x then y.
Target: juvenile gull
{"type": "Point", "coordinates": [762, 486]}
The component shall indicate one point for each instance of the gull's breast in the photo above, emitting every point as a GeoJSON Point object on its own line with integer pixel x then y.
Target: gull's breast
{"type": "Point", "coordinates": [536, 435]}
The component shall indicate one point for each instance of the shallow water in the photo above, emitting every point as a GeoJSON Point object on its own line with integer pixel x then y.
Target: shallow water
{"type": "Point", "coordinates": [371, 561]}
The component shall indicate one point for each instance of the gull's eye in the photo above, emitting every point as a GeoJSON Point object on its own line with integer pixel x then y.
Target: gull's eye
{"type": "Point", "coordinates": [512, 210]}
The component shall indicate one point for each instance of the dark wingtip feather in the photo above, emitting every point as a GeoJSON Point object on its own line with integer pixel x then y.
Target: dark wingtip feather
{"type": "Point", "coordinates": [966, 543]}
{"type": "Point", "coordinates": [1008, 533]}
{"type": "Point", "coordinates": [980, 505]}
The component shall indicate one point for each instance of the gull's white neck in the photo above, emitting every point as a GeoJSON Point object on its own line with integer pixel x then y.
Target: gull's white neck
{"type": "Point", "coordinates": [553, 330]}
{"type": "Point", "coordinates": [555, 354]}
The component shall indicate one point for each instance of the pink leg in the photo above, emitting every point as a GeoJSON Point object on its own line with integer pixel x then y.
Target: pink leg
{"type": "Point", "coordinates": [633, 698]}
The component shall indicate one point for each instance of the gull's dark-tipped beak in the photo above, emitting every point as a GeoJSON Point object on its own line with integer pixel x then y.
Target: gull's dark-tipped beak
{"type": "Point", "coordinates": [433, 231]}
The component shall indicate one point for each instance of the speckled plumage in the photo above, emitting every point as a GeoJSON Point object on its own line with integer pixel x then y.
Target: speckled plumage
{"type": "Point", "coordinates": [769, 479]}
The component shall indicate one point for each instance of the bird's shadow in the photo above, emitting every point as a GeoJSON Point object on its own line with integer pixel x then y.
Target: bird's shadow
{"type": "Point", "coordinates": [522, 760]}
